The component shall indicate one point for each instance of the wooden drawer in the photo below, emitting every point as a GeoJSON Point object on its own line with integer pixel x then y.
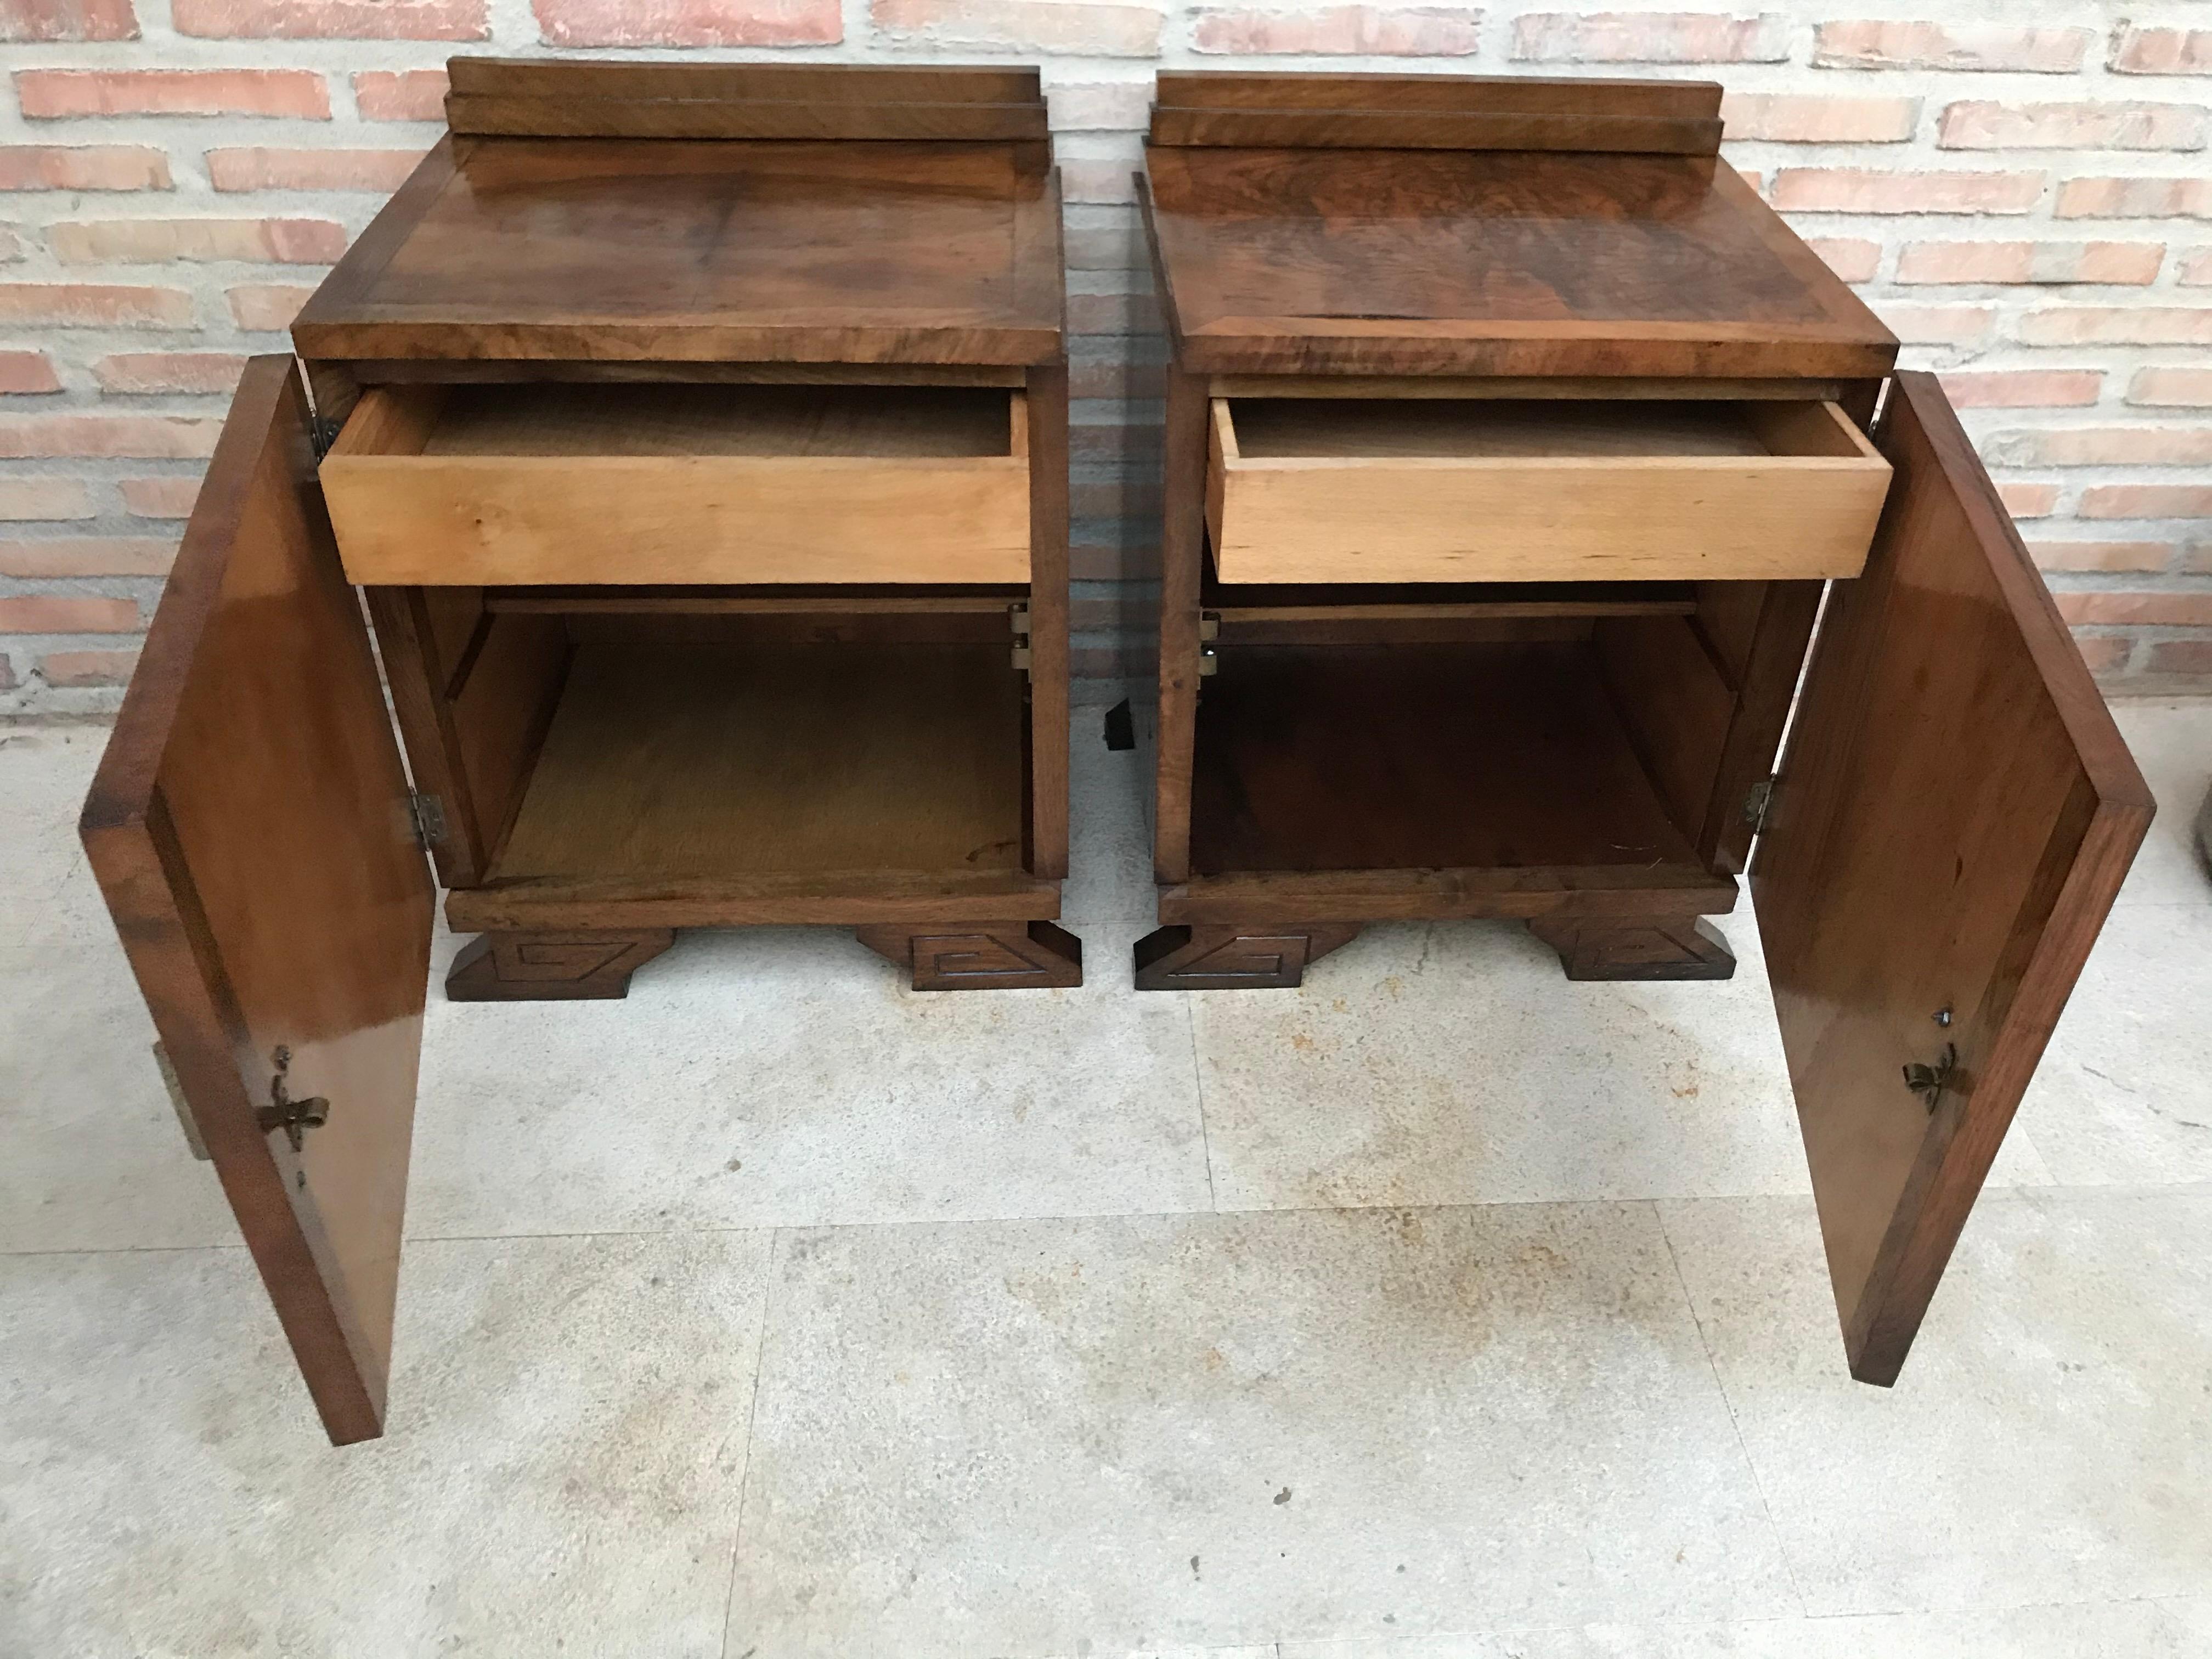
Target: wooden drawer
{"type": "Point", "coordinates": [1422, 490]}
{"type": "Point", "coordinates": [536, 485]}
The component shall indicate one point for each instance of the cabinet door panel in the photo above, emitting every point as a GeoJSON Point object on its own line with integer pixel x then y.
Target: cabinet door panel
{"type": "Point", "coordinates": [249, 829]}
{"type": "Point", "coordinates": [1955, 813]}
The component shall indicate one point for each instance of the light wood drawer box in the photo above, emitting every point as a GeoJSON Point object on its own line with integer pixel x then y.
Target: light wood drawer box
{"type": "Point", "coordinates": [544, 483]}
{"type": "Point", "coordinates": [1419, 489]}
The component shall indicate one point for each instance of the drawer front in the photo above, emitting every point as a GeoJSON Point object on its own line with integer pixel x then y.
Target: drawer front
{"type": "Point", "coordinates": [498, 520]}
{"type": "Point", "coordinates": [1328, 502]}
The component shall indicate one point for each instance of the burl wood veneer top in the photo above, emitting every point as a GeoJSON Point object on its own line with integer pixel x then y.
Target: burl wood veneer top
{"type": "Point", "coordinates": [1414, 261]}
{"type": "Point", "coordinates": [690, 250]}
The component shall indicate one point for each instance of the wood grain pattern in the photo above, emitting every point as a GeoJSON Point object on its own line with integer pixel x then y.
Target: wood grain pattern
{"type": "Point", "coordinates": [248, 826]}
{"type": "Point", "coordinates": [1764, 670]}
{"type": "Point", "coordinates": [858, 86]}
{"type": "Point", "coordinates": [473, 693]}
{"type": "Point", "coordinates": [643, 250]}
{"type": "Point", "coordinates": [1307, 261]}
{"type": "Point", "coordinates": [1388, 128]}
{"type": "Point", "coordinates": [1183, 555]}
{"type": "Point", "coordinates": [1210, 956]}
{"type": "Point", "coordinates": [539, 371]}
{"type": "Point", "coordinates": [918, 600]}
{"type": "Point", "coordinates": [417, 665]}
{"type": "Point", "coordinates": [524, 486]}
{"type": "Point", "coordinates": [1674, 704]}
{"type": "Point", "coordinates": [769, 898]}
{"type": "Point", "coordinates": [1046, 852]}
{"type": "Point", "coordinates": [1416, 490]}
{"type": "Point", "coordinates": [1659, 948]}
{"type": "Point", "coordinates": [548, 965]}
{"type": "Point", "coordinates": [1419, 756]}
{"type": "Point", "coordinates": [1435, 894]}
{"type": "Point", "coordinates": [1515, 94]}
{"type": "Point", "coordinates": [1657, 388]}
{"type": "Point", "coordinates": [689, 762]}
{"type": "Point", "coordinates": [1955, 813]}
{"type": "Point", "coordinates": [681, 118]}
{"type": "Point", "coordinates": [990, 955]}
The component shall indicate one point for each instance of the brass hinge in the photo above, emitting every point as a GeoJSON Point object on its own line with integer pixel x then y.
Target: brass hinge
{"type": "Point", "coordinates": [1019, 614]}
{"type": "Point", "coordinates": [428, 815]}
{"type": "Point", "coordinates": [322, 433]}
{"type": "Point", "coordinates": [175, 1085]}
{"type": "Point", "coordinates": [293, 1117]}
{"type": "Point", "coordinates": [1929, 1082]}
{"type": "Point", "coordinates": [1758, 802]}
{"type": "Point", "coordinates": [1209, 625]}
{"type": "Point", "coordinates": [1208, 661]}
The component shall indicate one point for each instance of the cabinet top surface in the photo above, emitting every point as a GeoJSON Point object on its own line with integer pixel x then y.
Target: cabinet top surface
{"type": "Point", "coordinates": [1491, 261]}
{"type": "Point", "coordinates": [685, 250]}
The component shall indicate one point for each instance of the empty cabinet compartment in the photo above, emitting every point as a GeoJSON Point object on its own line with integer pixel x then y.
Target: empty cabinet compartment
{"type": "Point", "coordinates": [1451, 490]}
{"type": "Point", "coordinates": [567, 483]}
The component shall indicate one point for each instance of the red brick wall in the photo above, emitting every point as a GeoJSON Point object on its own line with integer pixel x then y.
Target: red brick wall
{"type": "Point", "coordinates": [2029, 206]}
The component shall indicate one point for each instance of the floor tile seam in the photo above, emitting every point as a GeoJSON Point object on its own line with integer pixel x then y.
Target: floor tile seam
{"type": "Point", "coordinates": [1437, 1207]}
{"type": "Point", "coordinates": [1778, 1620]}
{"type": "Point", "coordinates": [752, 1416]}
{"type": "Point", "coordinates": [123, 1249]}
{"type": "Point", "coordinates": [1198, 1083]}
{"type": "Point", "coordinates": [1727, 1404]}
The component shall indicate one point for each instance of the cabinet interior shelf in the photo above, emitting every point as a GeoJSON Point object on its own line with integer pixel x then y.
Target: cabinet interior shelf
{"type": "Point", "coordinates": [668, 759]}
{"type": "Point", "coordinates": [1504, 755]}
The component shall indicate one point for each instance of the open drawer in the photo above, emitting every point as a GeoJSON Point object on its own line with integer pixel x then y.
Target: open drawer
{"type": "Point", "coordinates": [1450, 490]}
{"type": "Point", "coordinates": [546, 483]}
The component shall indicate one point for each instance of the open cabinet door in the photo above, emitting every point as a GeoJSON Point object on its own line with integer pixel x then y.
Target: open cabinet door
{"type": "Point", "coordinates": [1954, 815]}
{"type": "Point", "coordinates": [249, 829]}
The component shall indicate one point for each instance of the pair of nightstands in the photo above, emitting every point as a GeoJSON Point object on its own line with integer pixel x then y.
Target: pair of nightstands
{"type": "Point", "coordinates": [698, 435]}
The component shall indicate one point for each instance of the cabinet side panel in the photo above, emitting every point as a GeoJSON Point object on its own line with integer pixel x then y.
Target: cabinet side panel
{"type": "Point", "coordinates": [1675, 703]}
{"type": "Point", "coordinates": [1047, 767]}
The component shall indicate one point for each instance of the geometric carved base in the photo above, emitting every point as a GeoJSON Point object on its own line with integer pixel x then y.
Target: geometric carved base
{"type": "Point", "coordinates": [551, 965]}
{"type": "Point", "coordinates": [979, 956]}
{"type": "Point", "coordinates": [1667, 947]}
{"type": "Point", "coordinates": [1222, 956]}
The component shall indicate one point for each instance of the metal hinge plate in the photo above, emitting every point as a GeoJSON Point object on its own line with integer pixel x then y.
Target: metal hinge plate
{"type": "Point", "coordinates": [322, 433]}
{"type": "Point", "coordinates": [1758, 802]}
{"type": "Point", "coordinates": [1019, 616]}
{"type": "Point", "coordinates": [428, 813]}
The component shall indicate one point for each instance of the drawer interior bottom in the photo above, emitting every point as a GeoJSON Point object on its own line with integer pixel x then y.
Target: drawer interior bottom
{"type": "Point", "coordinates": [668, 758]}
{"type": "Point", "coordinates": [1499, 755]}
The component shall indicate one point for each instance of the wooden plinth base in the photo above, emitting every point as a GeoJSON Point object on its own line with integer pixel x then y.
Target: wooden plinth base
{"type": "Point", "coordinates": [1210, 956]}
{"type": "Point", "coordinates": [552, 966]}
{"type": "Point", "coordinates": [980, 956]}
{"type": "Point", "coordinates": [1674, 947]}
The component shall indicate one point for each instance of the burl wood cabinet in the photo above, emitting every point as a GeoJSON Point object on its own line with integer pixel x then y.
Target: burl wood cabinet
{"type": "Point", "coordinates": [1513, 446]}
{"type": "Point", "coordinates": [697, 436]}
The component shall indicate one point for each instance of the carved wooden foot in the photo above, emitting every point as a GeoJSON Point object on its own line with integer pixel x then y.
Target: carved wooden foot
{"type": "Point", "coordinates": [1216, 956]}
{"type": "Point", "coordinates": [552, 967]}
{"type": "Point", "coordinates": [1668, 947]}
{"type": "Point", "coordinates": [980, 956]}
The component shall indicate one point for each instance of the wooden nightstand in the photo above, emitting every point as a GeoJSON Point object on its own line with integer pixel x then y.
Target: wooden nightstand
{"type": "Point", "coordinates": [1511, 443]}
{"type": "Point", "coordinates": [698, 436]}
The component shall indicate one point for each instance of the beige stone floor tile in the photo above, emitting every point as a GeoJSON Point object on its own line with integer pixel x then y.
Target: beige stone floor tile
{"type": "Point", "coordinates": [2050, 1439]}
{"type": "Point", "coordinates": [561, 1471]}
{"type": "Point", "coordinates": [1452, 1062]}
{"type": "Point", "coordinates": [787, 1077]}
{"type": "Point", "coordinates": [1011, 1438]}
